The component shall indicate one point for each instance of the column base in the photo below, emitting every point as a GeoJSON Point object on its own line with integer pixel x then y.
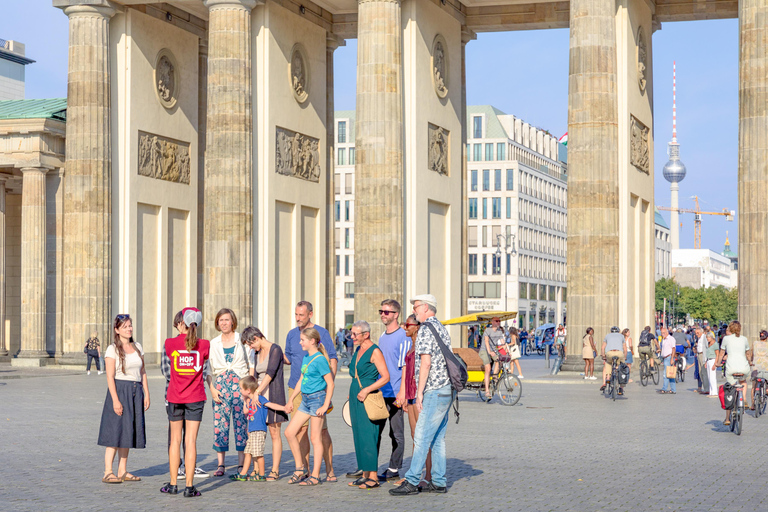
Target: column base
{"type": "Point", "coordinates": [573, 365]}
{"type": "Point", "coordinates": [31, 360]}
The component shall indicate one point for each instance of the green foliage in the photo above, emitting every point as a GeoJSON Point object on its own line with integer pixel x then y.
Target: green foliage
{"type": "Point", "coordinates": [713, 304]}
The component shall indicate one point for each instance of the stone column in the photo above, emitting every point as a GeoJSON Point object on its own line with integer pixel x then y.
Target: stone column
{"type": "Point", "coordinates": [379, 173]}
{"type": "Point", "coordinates": [228, 229]}
{"type": "Point", "coordinates": [559, 306]}
{"type": "Point", "coordinates": [466, 36]}
{"type": "Point", "coordinates": [33, 271]}
{"type": "Point", "coordinates": [3, 341]}
{"type": "Point", "coordinates": [87, 257]}
{"type": "Point", "coordinates": [753, 165]}
{"type": "Point", "coordinates": [202, 112]}
{"type": "Point", "coordinates": [331, 43]}
{"type": "Point", "coordinates": [593, 202]}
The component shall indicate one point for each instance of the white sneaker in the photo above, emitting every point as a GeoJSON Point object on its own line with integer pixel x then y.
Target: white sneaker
{"type": "Point", "coordinates": [593, 378]}
{"type": "Point", "coordinates": [88, 372]}
{"type": "Point", "coordinates": [586, 378]}
{"type": "Point", "coordinates": [200, 472]}
{"type": "Point", "coordinates": [100, 372]}
{"type": "Point", "coordinates": [520, 377]}
{"type": "Point", "coordinates": [181, 471]}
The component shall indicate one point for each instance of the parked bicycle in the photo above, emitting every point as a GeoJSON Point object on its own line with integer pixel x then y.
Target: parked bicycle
{"type": "Point", "coordinates": [760, 400]}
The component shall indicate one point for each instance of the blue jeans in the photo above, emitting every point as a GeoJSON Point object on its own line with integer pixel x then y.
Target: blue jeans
{"type": "Point", "coordinates": [556, 365]}
{"type": "Point", "coordinates": [671, 382]}
{"type": "Point", "coordinates": [430, 434]}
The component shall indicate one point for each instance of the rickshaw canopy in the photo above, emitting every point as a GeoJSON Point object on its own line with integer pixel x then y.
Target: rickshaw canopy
{"type": "Point", "coordinates": [481, 318]}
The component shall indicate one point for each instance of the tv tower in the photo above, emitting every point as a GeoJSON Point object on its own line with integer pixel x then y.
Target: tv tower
{"type": "Point", "coordinates": [674, 169]}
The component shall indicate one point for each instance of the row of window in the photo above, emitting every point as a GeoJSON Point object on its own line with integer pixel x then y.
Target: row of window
{"type": "Point", "coordinates": [477, 152]}
{"type": "Point", "coordinates": [341, 132]}
{"type": "Point", "coordinates": [341, 156]}
{"type": "Point", "coordinates": [495, 233]}
{"type": "Point", "coordinates": [534, 240]}
{"type": "Point", "coordinates": [542, 189]}
{"type": "Point", "coordinates": [347, 179]}
{"type": "Point", "coordinates": [540, 268]}
{"type": "Point", "coordinates": [347, 210]}
{"type": "Point", "coordinates": [533, 291]}
{"type": "Point", "coordinates": [495, 207]}
{"type": "Point", "coordinates": [347, 265]}
{"type": "Point", "coordinates": [542, 215]}
{"type": "Point", "coordinates": [495, 261]}
{"type": "Point", "coordinates": [347, 238]}
{"type": "Point", "coordinates": [473, 177]}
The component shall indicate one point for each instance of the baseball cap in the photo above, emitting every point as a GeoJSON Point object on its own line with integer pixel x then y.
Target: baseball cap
{"type": "Point", "coordinates": [425, 298]}
{"type": "Point", "coordinates": [192, 316]}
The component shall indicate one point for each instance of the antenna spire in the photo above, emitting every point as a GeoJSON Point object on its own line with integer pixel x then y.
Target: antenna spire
{"type": "Point", "coordinates": [674, 102]}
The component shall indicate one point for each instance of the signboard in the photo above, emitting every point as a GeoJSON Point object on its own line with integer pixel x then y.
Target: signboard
{"type": "Point", "coordinates": [476, 305]}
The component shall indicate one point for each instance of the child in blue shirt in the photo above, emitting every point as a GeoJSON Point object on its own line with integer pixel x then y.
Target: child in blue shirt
{"type": "Point", "coordinates": [256, 412]}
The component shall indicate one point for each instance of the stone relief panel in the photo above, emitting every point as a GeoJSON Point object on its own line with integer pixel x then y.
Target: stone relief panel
{"type": "Point", "coordinates": [639, 153]}
{"type": "Point", "coordinates": [163, 158]}
{"type": "Point", "coordinates": [298, 73]}
{"type": "Point", "coordinates": [642, 59]}
{"type": "Point", "coordinates": [165, 76]}
{"type": "Point", "coordinates": [438, 149]}
{"type": "Point", "coordinates": [440, 66]}
{"type": "Point", "coordinates": [297, 155]}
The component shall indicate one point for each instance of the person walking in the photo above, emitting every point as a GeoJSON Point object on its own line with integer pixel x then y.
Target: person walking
{"type": "Point", "coordinates": [588, 352]}
{"type": "Point", "coordinates": [739, 353]}
{"type": "Point", "coordinates": [711, 355]}
{"type": "Point", "coordinates": [667, 351]}
{"type": "Point", "coordinates": [93, 351]}
{"type": "Point", "coordinates": [186, 397]}
{"type": "Point", "coordinates": [759, 362]}
{"type": "Point", "coordinates": [394, 343]}
{"type": "Point", "coordinates": [630, 348]}
{"type": "Point", "coordinates": [434, 396]}
{"type": "Point", "coordinates": [370, 373]}
{"type": "Point", "coordinates": [560, 336]}
{"type": "Point", "coordinates": [228, 364]}
{"type": "Point", "coordinates": [294, 355]}
{"type": "Point", "coordinates": [700, 345]}
{"type": "Point", "coordinates": [122, 418]}
{"type": "Point", "coordinates": [515, 350]}
{"type": "Point", "coordinates": [267, 369]}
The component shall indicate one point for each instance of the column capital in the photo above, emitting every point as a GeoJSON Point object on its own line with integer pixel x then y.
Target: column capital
{"type": "Point", "coordinates": [333, 41]}
{"type": "Point", "coordinates": [383, 1]}
{"type": "Point", "coordinates": [232, 4]}
{"type": "Point", "coordinates": [32, 170]}
{"type": "Point", "coordinates": [467, 34]}
{"type": "Point", "coordinates": [103, 8]}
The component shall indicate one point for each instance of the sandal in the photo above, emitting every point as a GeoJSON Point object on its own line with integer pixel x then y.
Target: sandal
{"type": "Point", "coordinates": [167, 488]}
{"type": "Point", "coordinates": [331, 478]}
{"type": "Point", "coordinates": [727, 422]}
{"type": "Point", "coordinates": [274, 476]}
{"type": "Point", "coordinates": [237, 477]}
{"type": "Point", "coordinates": [310, 481]}
{"type": "Point", "coordinates": [191, 492]}
{"type": "Point", "coordinates": [220, 470]}
{"type": "Point", "coordinates": [357, 482]}
{"type": "Point", "coordinates": [298, 476]}
{"type": "Point", "coordinates": [255, 477]}
{"type": "Point", "coordinates": [111, 478]}
{"type": "Point", "coordinates": [365, 485]}
{"type": "Point", "coordinates": [127, 477]}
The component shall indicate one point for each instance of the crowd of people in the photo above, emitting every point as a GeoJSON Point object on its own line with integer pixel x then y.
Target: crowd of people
{"type": "Point", "coordinates": [404, 374]}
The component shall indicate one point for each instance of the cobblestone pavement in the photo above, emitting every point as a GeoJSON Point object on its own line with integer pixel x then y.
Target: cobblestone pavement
{"type": "Point", "coordinates": [562, 448]}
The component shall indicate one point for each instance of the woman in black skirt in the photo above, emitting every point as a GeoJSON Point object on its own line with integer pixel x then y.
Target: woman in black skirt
{"type": "Point", "coordinates": [122, 420]}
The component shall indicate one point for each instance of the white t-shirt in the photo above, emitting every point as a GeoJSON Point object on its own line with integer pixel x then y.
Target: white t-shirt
{"type": "Point", "coordinates": [132, 363]}
{"type": "Point", "coordinates": [736, 348]}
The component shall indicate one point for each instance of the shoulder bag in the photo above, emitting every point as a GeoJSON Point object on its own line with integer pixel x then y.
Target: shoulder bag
{"type": "Point", "coordinates": [671, 371]}
{"type": "Point", "coordinates": [374, 404]}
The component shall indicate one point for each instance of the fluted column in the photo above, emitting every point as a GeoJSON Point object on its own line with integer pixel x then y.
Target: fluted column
{"type": "Point", "coordinates": [379, 241]}
{"type": "Point", "coordinates": [331, 43]}
{"type": "Point", "coordinates": [228, 229]}
{"type": "Point", "coordinates": [87, 255]}
{"type": "Point", "coordinates": [753, 165]}
{"type": "Point", "coordinates": [33, 271]}
{"type": "Point", "coordinates": [466, 36]}
{"type": "Point", "coordinates": [593, 199]}
{"type": "Point", "coordinates": [202, 112]}
{"type": "Point", "coordinates": [3, 340]}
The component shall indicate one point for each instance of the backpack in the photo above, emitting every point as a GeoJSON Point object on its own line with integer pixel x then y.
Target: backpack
{"type": "Point", "coordinates": [623, 374]}
{"type": "Point", "coordinates": [645, 339]}
{"type": "Point", "coordinates": [457, 370]}
{"type": "Point", "coordinates": [728, 395]}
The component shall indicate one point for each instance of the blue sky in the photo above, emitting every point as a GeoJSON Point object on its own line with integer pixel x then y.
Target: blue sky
{"type": "Point", "coordinates": [526, 74]}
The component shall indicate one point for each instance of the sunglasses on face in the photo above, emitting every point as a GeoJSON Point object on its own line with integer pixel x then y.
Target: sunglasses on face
{"type": "Point", "coordinates": [411, 325]}
{"type": "Point", "coordinates": [385, 312]}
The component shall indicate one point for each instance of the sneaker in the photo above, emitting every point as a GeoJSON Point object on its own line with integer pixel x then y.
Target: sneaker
{"type": "Point", "coordinates": [200, 472]}
{"type": "Point", "coordinates": [88, 372]}
{"type": "Point", "coordinates": [405, 489]}
{"type": "Point", "coordinates": [586, 378]}
{"type": "Point", "coordinates": [520, 376]}
{"type": "Point", "coordinates": [100, 372]}
{"type": "Point", "coordinates": [389, 475]}
{"type": "Point", "coordinates": [181, 471]}
{"type": "Point", "coordinates": [355, 474]}
{"type": "Point", "coordinates": [430, 487]}
{"type": "Point", "coordinates": [593, 378]}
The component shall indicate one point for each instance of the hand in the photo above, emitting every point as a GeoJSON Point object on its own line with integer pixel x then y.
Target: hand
{"type": "Point", "coordinates": [418, 403]}
{"type": "Point", "coordinates": [362, 394]}
{"type": "Point", "coordinates": [146, 402]}
{"type": "Point", "coordinates": [215, 395]}
{"type": "Point", "coordinates": [256, 402]}
{"type": "Point", "coordinates": [289, 408]}
{"type": "Point", "coordinates": [321, 410]}
{"type": "Point", "coordinates": [118, 407]}
{"type": "Point", "coordinates": [400, 399]}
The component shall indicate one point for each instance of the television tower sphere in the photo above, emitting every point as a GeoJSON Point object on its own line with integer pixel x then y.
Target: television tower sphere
{"type": "Point", "coordinates": [674, 170]}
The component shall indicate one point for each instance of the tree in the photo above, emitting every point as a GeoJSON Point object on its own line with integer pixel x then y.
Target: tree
{"type": "Point", "coordinates": [713, 304]}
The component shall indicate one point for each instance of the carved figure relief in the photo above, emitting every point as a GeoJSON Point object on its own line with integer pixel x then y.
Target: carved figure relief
{"type": "Point", "coordinates": [639, 149]}
{"type": "Point", "coordinates": [297, 155]}
{"type": "Point", "coordinates": [163, 158]}
{"type": "Point", "coordinates": [299, 73]}
{"type": "Point", "coordinates": [438, 149]}
{"type": "Point", "coordinates": [642, 59]}
{"type": "Point", "coordinates": [165, 77]}
{"type": "Point", "coordinates": [440, 66]}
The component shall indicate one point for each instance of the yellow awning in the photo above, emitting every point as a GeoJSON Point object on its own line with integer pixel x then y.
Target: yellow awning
{"type": "Point", "coordinates": [481, 318]}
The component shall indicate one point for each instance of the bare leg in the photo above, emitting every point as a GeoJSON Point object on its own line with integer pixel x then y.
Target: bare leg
{"type": "Point", "coordinates": [303, 437]}
{"type": "Point", "coordinates": [487, 368]}
{"type": "Point", "coordinates": [292, 433]}
{"type": "Point", "coordinates": [246, 464]}
{"type": "Point", "coordinates": [277, 446]}
{"type": "Point", "coordinates": [109, 460]}
{"type": "Point", "coordinates": [259, 466]}
{"type": "Point", "coordinates": [240, 458]}
{"type": "Point", "coordinates": [190, 450]}
{"type": "Point", "coordinates": [316, 433]}
{"type": "Point", "coordinates": [174, 451]}
{"type": "Point", "coordinates": [122, 464]}
{"type": "Point", "coordinates": [327, 451]}
{"type": "Point", "coordinates": [517, 364]}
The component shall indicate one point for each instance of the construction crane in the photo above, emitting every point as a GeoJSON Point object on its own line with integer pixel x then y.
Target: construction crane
{"type": "Point", "coordinates": [697, 213]}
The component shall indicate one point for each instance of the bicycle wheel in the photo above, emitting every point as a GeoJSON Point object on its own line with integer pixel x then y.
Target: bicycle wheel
{"type": "Point", "coordinates": [481, 394]}
{"type": "Point", "coordinates": [681, 370]}
{"type": "Point", "coordinates": [762, 402]}
{"type": "Point", "coordinates": [655, 374]}
{"type": "Point", "coordinates": [644, 373]}
{"type": "Point", "coordinates": [736, 421]}
{"type": "Point", "coordinates": [509, 389]}
{"type": "Point", "coordinates": [757, 403]}
{"type": "Point", "coordinates": [614, 386]}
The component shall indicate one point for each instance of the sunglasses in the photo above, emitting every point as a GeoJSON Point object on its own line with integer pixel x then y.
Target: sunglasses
{"type": "Point", "coordinates": [123, 317]}
{"type": "Point", "coordinates": [412, 325]}
{"type": "Point", "coordinates": [385, 312]}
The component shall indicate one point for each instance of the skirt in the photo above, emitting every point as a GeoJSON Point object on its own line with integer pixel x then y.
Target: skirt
{"type": "Point", "coordinates": [126, 431]}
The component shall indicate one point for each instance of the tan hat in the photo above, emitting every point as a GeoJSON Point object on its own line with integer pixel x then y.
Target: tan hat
{"type": "Point", "coordinates": [426, 299]}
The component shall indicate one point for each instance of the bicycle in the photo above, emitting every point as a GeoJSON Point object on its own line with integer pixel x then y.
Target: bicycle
{"type": "Point", "coordinates": [680, 363]}
{"type": "Point", "coordinates": [647, 371]}
{"type": "Point", "coordinates": [612, 386]}
{"type": "Point", "coordinates": [344, 357]}
{"type": "Point", "coordinates": [737, 415]}
{"type": "Point", "coordinates": [505, 384]}
{"type": "Point", "coordinates": [760, 399]}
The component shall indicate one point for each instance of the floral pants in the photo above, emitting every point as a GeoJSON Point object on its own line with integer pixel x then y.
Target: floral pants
{"type": "Point", "coordinates": [231, 406]}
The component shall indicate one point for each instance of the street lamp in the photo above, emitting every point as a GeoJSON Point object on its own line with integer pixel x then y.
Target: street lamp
{"type": "Point", "coordinates": [509, 248]}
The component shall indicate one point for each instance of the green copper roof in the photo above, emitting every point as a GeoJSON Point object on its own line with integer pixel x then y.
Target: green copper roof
{"type": "Point", "coordinates": [348, 114]}
{"type": "Point", "coordinates": [53, 108]}
{"type": "Point", "coordinates": [493, 128]}
{"type": "Point", "coordinates": [659, 219]}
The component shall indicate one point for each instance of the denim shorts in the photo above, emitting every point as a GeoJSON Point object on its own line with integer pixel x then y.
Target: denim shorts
{"type": "Point", "coordinates": [311, 402]}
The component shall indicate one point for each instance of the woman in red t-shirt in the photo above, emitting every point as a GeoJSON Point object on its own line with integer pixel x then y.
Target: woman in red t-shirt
{"type": "Point", "coordinates": [186, 396]}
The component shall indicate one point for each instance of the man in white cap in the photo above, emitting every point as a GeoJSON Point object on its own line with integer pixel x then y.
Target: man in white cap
{"type": "Point", "coordinates": [433, 400]}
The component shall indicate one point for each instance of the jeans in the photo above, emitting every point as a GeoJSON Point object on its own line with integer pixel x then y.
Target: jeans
{"type": "Point", "coordinates": [557, 364]}
{"type": "Point", "coordinates": [396, 433]}
{"type": "Point", "coordinates": [672, 383]}
{"type": "Point", "coordinates": [430, 433]}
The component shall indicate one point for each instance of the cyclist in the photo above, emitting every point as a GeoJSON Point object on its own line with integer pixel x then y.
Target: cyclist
{"type": "Point", "coordinates": [648, 347]}
{"type": "Point", "coordinates": [681, 345]}
{"type": "Point", "coordinates": [739, 354]}
{"type": "Point", "coordinates": [759, 362]}
{"type": "Point", "coordinates": [613, 346]}
{"type": "Point", "coordinates": [493, 339]}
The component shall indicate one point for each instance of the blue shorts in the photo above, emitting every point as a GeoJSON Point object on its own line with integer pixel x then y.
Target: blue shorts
{"type": "Point", "coordinates": [311, 402]}
{"type": "Point", "coordinates": [629, 357]}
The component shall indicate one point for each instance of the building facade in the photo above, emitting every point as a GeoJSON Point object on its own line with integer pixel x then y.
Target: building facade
{"type": "Point", "coordinates": [12, 70]}
{"type": "Point", "coordinates": [663, 248]}
{"type": "Point", "coordinates": [701, 268]}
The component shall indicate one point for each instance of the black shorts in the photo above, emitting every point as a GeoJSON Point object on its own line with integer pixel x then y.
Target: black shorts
{"type": "Point", "coordinates": [191, 412]}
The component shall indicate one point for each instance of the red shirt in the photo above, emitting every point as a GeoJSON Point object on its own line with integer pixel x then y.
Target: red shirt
{"type": "Point", "coordinates": [186, 385]}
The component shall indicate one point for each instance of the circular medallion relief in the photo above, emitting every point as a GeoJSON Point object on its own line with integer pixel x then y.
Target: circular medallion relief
{"type": "Point", "coordinates": [642, 59]}
{"type": "Point", "coordinates": [298, 73]}
{"type": "Point", "coordinates": [165, 77]}
{"type": "Point", "coordinates": [440, 66]}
